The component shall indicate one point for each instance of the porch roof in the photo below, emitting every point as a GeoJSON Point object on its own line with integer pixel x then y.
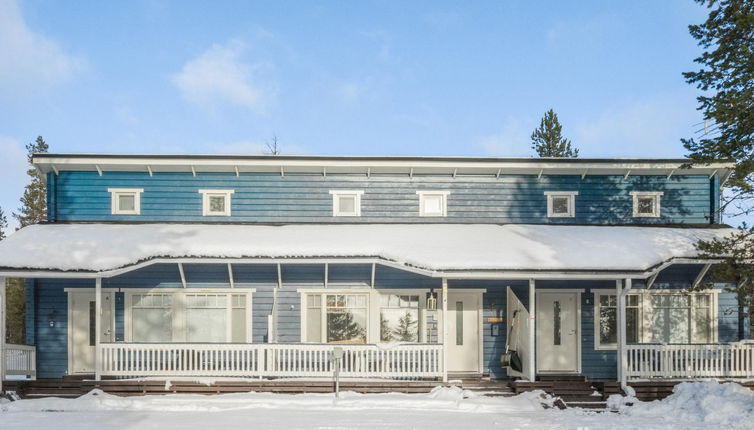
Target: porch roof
{"type": "Point", "coordinates": [430, 247]}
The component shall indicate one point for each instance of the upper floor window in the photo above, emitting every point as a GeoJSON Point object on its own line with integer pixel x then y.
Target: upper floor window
{"type": "Point", "coordinates": [646, 204]}
{"type": "Point", "coordinates": [561, 204]}
{"type": "Point", "coordinates": [125, 201]}
{"type": "Point", "coordinates": [346, 202]}
{"type": "Point", "coordinates": [433, 203]}
{"type": "Point", "coordinates": [216, 202]}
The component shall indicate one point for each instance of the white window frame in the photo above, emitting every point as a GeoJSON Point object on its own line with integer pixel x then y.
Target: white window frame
{"type": "Point", "coordinates": [570, 195]}
{"type": "Point", "coordinates": [206, 209]}
{"type": "Point", "coordinates": [179, 328]}
{"type": "Point", "coordinates": [656, 195]}
{"type": "Point", "coordinates": [645, 313]}
{"type": "Point", "coordinates": [338, 194]}
{"type": "Point", "coordinates": [116, 193]}
{"type": "Point", "coordinates": [443, 194]}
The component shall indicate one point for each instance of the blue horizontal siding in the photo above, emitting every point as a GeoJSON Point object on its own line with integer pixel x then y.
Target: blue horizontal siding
{"type": "Point", "coordinates": [259, 197]}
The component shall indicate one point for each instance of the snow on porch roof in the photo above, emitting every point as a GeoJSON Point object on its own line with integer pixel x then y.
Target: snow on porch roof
{"type": "Point", "coordinates": [434, 247]}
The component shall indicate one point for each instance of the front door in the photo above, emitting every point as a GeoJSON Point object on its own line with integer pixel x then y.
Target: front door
{"type": "Point", "coordinates": [82, 330]}
{"type": "Point", "coordinates": [558, 332]}
{"type": "Point", "coordinates": [463, 332]}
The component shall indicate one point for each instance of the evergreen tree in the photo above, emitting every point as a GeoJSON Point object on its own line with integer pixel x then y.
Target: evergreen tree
{"type": "Point", "coordinates": [34, 201]}
{"type": "Point", "coordinates": [407, 329]}
{"type": "Point", "coordinates": [726, 78]}
{"type": "Point", "coordinates": [3, 224]}
{"type": "Point", "coordinates": [547, 140]}
{"type": "Point", "coordinates": [342, 327]}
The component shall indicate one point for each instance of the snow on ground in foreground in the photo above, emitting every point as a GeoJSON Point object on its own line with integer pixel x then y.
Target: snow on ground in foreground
{"type": "Point", "coordinates": [692, 406]}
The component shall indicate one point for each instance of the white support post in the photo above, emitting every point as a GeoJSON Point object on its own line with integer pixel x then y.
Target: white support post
{"type": "Point", "coordinates": [2, 332]}
{"type": "Point", "coordinates": [97, 328]}
{"type": "Point", "coordinates": [621, 294]}
{"type": "Point", "coordinates": [619, 328]}
{"type": "Point", "coordinates": [444, 330]}
{"type": "Point", "coordinates": [532, 374]}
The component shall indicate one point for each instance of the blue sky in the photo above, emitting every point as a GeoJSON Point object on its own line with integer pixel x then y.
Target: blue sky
{"type": "Point", "coordinates": [342, 77]}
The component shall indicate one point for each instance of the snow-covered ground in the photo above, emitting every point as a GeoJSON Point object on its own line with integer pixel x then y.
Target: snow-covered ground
{"type": "Point", "coordinates": [692, 406]}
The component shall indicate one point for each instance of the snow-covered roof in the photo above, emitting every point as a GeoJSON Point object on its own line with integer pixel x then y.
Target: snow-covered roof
{"type": "Point", "coordinates": [434, 247]}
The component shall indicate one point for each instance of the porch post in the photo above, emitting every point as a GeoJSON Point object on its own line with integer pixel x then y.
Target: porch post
{"type": "Point", "coordinates": [532, 374]}
{"type": "Point", "coordinates": [97, 327]}
{"type": "Point", "coordinates": [621, 294]}
{"type": "Point", "coordinates": [2, 332]}
{"type": "Point", "coordinates": [444, 330]}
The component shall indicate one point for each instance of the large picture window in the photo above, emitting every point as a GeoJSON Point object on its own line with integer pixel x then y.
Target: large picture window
{"type": "Point", "coordinates": [202, 317]}
{"type": "Point", "coordinates": [656, 317]}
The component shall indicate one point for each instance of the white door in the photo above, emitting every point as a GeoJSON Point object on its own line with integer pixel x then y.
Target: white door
{"type": "Point", "coordinates": [558, 334]}
{"type": "Point", "coordinates": [82, 330]}
{"type": "Point", "coordinates": [463, 332]}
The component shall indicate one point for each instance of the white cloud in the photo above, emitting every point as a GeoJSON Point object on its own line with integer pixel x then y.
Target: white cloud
{"type": "Point", "coordinates": [650, 127]}
{"type": "Point", "coordinates": [29, 60]}
{"type": "Point", "coordinates": [13, 166]}
{"type": "Point", "coordinates": [512, 140]}
{"type": "Point", "coordinates": [222, 75]}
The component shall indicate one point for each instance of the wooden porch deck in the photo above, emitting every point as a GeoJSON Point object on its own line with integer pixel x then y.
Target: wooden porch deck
{"type": "Point", "coordinates": [573, 391]}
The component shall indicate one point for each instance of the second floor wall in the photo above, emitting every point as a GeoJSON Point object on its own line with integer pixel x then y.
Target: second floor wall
{"type": "Point", "coordinates": [291, 198]}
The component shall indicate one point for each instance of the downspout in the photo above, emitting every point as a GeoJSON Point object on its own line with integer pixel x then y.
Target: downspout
{"type": "Point", "coordinates": [2, 332]}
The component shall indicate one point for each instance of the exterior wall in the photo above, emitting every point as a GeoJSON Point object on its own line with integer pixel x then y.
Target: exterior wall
{"type": "Point", "coordinates": [271, 198]}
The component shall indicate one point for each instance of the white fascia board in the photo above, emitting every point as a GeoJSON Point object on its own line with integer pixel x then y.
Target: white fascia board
{"type": "Point", "coordinates": [361, 164]}
{"type": "Point", "coordinates": [448, 274]}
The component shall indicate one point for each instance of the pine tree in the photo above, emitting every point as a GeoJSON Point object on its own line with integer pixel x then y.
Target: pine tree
{"type": "Point", "coordinates": [3, 224]}
{"type": "Point", "coordinates": [33, 208]}
{"type": "Point", "coordinates": [407, 329]}
{"type": "Point", "coordinates": [547, 140]}
{"type": "Point", "coordinates": [726, 78]}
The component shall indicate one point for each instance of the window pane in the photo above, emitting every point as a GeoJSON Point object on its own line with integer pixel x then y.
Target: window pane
{"type": "Point", "coordinates": [459, 323]}
{"type": "Point", "coordinates": [556, 323]}
{"type": "Point", "coordinates": [347, 204]}
{"type": "Point", "coordinates": [92, 323]}
{"type": "Point", "coordinates": [126, 202]}
{"type": "Point", "coordinates": [646, 205]}
{"type": "Point", "coordinates": [206, 325]}
{"type": "Point", "coordinates": [633, 300]}
{"type": "Point", "coordinates": [346, 326]}
{"type": "Point", "coordinates": [314, 324]}
{"type": "Point", "coordinates": [702, 325]}
{"type": "Point", "coordinates": [313, 301]}
{"type": "Point", "coordinates": [560, 205]}
{"type": "Point", "coordinates": [238, 329]}
{"type": "Point", "coordinates": [670, 325]}
{"type": "Point", "coordinates": [399, 325]}
{"type": "Point", "coordinates": [433, 204]}
{"type": "Point", "coordinates": [217, 203]}
{"type": "Point", "coordinates": [632, 325]}
{"type": "Point", "coordinates": [152, 324]}
{"type": "Point", "coordinates": [608, 325]}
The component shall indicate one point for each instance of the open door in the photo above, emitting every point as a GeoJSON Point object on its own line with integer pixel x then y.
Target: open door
{"type": "Point", "coordinates": [519, 335]}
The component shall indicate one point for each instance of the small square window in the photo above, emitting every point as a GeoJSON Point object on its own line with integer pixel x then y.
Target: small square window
{"type": "Point", "coordinates": [433, 203]}
{"type": "Point", "coordinates": [561, 204]}
{"type": "Point", "coordinates": [346, 202]}
{"type": "Point", "coordinates": [216, 202]}
{"type": "Point", "coordinates": [646, 204]}
{"type": "Point", "coordinates": [125, 201]}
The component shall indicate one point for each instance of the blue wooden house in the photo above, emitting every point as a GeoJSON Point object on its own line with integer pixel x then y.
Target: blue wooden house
{"type": "Point", "coordinates": [414, 267]}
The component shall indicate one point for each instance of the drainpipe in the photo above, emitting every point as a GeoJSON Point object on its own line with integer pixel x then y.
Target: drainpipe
{"type": "Point", "coordinates": [97, 328]}
{"type": "Point", "coordinates": [444, 330]}
{"type": "Point", "coordinates": [532, 331]}
{"type": "Point", "coordinates": [621, 294]}
{"type": "Point", "coordinates": [2, 332]}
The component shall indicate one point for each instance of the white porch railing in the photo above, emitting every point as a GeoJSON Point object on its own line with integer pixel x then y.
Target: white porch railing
{"type": "Point", "coordinates": [411, 361]}
{"type": "Point", "coordinates": [20, 360]}
{"type": "Point", "coordinates": [690, 361]}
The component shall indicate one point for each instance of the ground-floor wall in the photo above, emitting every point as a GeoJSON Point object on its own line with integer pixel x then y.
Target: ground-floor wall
{"type": "Point", "coordinates": [47, 314]}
